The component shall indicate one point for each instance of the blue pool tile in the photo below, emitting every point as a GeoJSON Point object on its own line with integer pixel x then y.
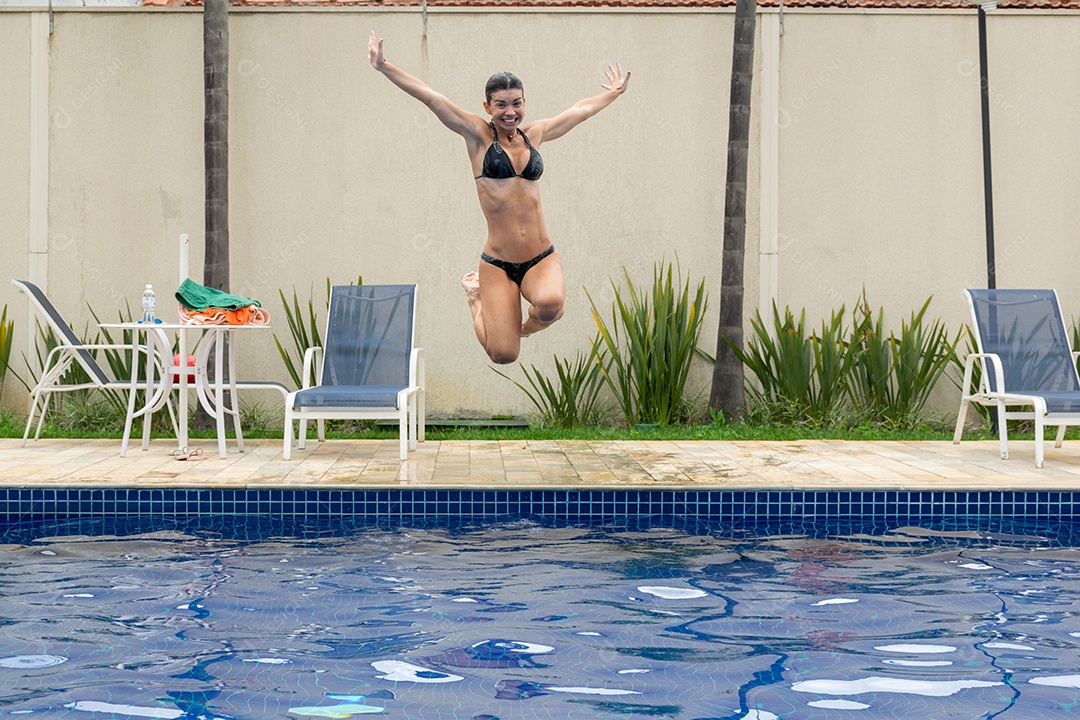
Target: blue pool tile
{"type": "Point", "coordinates": [563, 505]}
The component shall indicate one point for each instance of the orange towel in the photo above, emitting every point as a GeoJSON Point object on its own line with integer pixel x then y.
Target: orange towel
{"type": "Point", "coordinates": [250, 315]}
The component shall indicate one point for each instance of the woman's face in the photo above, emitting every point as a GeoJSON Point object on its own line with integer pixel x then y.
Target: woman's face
{"type": "Point", "coordinates": [506, 108]}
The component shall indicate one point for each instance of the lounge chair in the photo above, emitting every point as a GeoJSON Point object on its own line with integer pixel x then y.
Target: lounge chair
{"type": "Point", "coordinates": [1025, 361]}
{"type": "Point", "coordinates": [368, 368]}
{"type": "Point", "coordinates": [71, 349]}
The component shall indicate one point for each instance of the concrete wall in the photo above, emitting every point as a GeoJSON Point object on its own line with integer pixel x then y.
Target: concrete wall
{"type": "Point", "coordinates": [876, 181]}
{"type": "Point", "coordinates": [15, 176]}
{"type": "Point", "coordinates": [880, 172]}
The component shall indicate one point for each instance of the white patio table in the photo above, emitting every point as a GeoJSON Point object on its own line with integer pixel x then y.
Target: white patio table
{"type": "Point", "coordinates": [210, 392]}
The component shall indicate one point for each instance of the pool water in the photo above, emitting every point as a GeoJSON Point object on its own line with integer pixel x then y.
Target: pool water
{"type": "Point", "coordinates": [244, 619]}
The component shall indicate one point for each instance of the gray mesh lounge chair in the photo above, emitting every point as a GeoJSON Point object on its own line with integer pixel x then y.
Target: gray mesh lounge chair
{"type": "Point", "coordinates": [1024, 355]}
{"type": "Point", "coordinates": [368, 369]}
{"type": "Point", "coordinates": [73, 350]}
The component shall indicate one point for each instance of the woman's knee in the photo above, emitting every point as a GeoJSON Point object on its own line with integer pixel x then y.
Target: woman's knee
{"type": "Point", "coordinates": [503, 350]}
{"type": "Point", "coordinates": [547, 310]}
{"type": "Point", "coordinates": [503, 356]}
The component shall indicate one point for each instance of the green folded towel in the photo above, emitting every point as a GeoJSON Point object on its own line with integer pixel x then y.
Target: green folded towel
{"type": "Point", "coordinates": [198, 297]}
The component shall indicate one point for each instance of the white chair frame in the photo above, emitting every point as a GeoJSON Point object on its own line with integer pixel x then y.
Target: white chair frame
{"type": "Point", "coordinates": [1000, 399]}
{"type": "Point", "coordinates": [409, 411]}
{"type": "Point", "coordinates": [60, 359]}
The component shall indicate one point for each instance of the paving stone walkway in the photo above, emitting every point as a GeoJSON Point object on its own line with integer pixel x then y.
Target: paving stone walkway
{"type": "Point", "coordinates": [801, 464]}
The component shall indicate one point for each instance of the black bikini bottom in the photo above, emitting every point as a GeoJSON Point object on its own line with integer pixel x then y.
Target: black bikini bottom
{"type": "Point", "coordinates": [516, 271]}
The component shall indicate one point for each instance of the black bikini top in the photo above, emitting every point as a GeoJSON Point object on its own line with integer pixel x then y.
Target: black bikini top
{"type": "Point", "coordinates": [497, 163]}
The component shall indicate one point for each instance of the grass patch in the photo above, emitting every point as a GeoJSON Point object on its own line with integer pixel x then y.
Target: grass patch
{"type": "Point", "coordinates": [260, 424]}
{"type": "Point", "coordinates": [12, 426]}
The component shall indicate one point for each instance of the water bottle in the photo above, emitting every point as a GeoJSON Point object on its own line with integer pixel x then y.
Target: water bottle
{"type": "Point", "coordinates": [148, 304]}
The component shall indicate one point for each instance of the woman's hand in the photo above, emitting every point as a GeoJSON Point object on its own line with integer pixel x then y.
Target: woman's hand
{"type": "Point", "coordinates": [375, 52]}
{"type": "Point", "coordinates": [617, 79]}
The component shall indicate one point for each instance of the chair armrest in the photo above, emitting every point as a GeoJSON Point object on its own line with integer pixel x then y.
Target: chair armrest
{"type": "Point", "coordinates": [52, 361]}
{"type": "Point", "coordinates": [999, 374]}
{"type": "Point", "coordinates": [104, 346]}
{"type": "Point", "coordinates": [312, 359]}
{"type": "Point", "coordinates": [73, 350]}
{"type": "Point", "coordinates": [417, 371]}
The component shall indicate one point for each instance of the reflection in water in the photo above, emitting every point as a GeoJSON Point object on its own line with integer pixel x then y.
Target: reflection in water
{"type": "Point", "coordinates": [246, 621]}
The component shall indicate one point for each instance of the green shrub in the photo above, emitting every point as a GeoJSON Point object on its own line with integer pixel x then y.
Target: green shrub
{"type": "Point", "coordinates": [834, 377]}
{"type": "Point", "coordinates": [651, 340]}
{"type": "Point", "coordinates": [259, 418]}
{"type": "Point", "coordinates": [83, 415]}
{"type": "Point", "coordinates": [893, 376]}
{"type": "Point", "coordinates": [801, 379]}
{"type": "Point", "coordinates": [571, 399]}
{"type": "Point", "coordinates": [7, 335]}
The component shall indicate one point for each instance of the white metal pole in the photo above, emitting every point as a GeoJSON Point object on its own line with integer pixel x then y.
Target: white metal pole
{"type": "Point", "coordinates": [183, 257]}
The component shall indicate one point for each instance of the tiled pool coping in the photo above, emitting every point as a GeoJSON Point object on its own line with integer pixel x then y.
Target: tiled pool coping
{"type": "Point", "coordinates": [556, 480]}
{"type": "Point", "coordinates": [390, 506]}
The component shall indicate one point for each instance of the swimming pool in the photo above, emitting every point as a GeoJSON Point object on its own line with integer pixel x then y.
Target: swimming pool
{"type": "Point", "coordinates": [234, 617]}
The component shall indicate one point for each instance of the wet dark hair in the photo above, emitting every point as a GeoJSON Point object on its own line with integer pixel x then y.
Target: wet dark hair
{"type": "Point", "coordinates": [502, 81]}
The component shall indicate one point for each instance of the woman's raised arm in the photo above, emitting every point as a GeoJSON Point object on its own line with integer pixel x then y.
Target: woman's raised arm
{"type": "Point", "coordinates": [555, 127]}
{"type": "Point", "coordinates": [460, 121]}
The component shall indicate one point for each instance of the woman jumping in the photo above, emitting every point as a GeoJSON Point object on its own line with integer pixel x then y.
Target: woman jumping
{"type": "Point", "coordinates": [519, 260]}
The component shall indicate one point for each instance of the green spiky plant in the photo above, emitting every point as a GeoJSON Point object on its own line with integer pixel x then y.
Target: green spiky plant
{"type": "Point", "coordinates": [7, 340]}
{"type": "Point", "coordinates": [572, 398]}
{"type": "Point", "coordinates": [651, 340]}
{"type": "Point", "coordinates": [893, 376]}
{"type": "Point", "coordinates": [801, 378]}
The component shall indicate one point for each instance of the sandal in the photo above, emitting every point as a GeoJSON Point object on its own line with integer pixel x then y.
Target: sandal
{"type": "Point", "coordinates": [187, 454]}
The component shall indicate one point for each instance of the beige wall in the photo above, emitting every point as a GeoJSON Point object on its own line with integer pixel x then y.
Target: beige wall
{"type": "Point", "coordinates": [335, 173]}
{"type": "Point", "coordinates": [881, 181]}
{"type": "Point", "coordinates": [14, 169]}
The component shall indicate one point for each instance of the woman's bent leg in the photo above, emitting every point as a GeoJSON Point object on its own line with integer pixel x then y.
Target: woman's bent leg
{"type": "Point", "coordinates": [496, 314]}
{"type": "Point", "coordinates": [545, 289]}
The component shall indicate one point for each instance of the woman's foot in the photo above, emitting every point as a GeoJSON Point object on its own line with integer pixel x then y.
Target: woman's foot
{"type": "Point", "coordinates": [471, 283]}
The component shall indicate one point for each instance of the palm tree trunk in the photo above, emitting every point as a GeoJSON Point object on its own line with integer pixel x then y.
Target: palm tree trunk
{"type": "Point", "coordinates": [216, 142]}
{"type": "Point", "coordinates": [216, 155]}
{"type": "Point", "coordinates": [727, 393]}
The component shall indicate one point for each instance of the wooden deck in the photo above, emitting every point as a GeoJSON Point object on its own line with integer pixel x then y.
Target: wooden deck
{"type": "Point", "coordinates": [554, 464]}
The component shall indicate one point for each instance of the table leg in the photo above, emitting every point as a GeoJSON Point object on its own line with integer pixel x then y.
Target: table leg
{"type": "Point", "coordinates": [219, 388]}
{"type": "Point", "coordinates": [148, 411]}
{"type": "Point", "coordinates": [234, 401]}
{"type": "Point", "coordinates": [182, 430]}
{"type": "Point", "coordinates": [131, 393]}
{"type": "Point", "coordinates": [210, 392]}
